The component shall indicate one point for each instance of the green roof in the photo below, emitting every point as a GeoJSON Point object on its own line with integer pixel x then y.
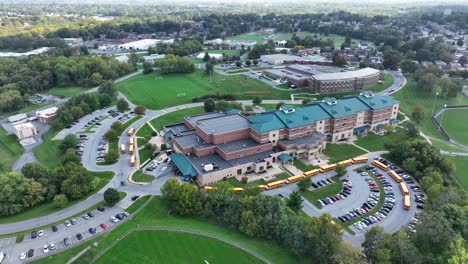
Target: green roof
{"type": "Point", "coordinates": [184, 165]}
{"type": "Point", "coordinates": [285, 157]}
{"type": "Point", "coordinates": [378, 102]}
{"type": "Point", "coordinates": [302, 116]}
{"type": "Point", "coordinates": [344, 107]}
{"type": "Point", "coordinates": [168, 134]}
{"type": "Point", "coordinates": [266, 122]}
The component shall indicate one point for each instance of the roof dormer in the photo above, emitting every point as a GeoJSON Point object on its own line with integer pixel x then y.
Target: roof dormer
{"type": "Point", "coordinates": [330, 100]}
{"type": "Point", "coordinates": [287, 109]}
{"type": "Point", "coordinates": [367, 94]}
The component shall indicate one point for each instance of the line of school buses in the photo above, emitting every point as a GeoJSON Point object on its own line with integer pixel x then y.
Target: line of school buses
{"type": "Point", "coordinates": [130, 147]}
{"type": "Point", "coordinates": [399, 179]}
{"type": "Point", "coordinates": [306, 174]}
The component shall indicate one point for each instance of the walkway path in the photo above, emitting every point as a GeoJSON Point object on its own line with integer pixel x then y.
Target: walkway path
{"type": "Point", "coordinates": [359, 147]}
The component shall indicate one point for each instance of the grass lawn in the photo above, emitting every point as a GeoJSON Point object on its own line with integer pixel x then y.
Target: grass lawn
{"type": "Point", "coordinates": [10, 150]}
{"type": "Point", "coordinates": [48, 153]}
{"type": "Point", "coordinates": [145, 131]}
{"type": "Point", "coordinates": [139, 176]}
{"type": "Point", "coordinates": [49, 207]}
{"type": "Point", "coordinates": [302, 166]}
{"type": "Point", "coordinates": [387, 82]}
{"type": "Point", "coordinates": [338, 39]}
{"type": "Point", "coordinates": [410, 97]}
{"type": "Point", "coordinates": [155, 91]}
{"type": "Point", "coordinates": [137, 204]}
{"type": "Point", "coordinates": [235, 183]}
{"type": "Point", "coordinates": [248, 36]}
{"type": "Point", "coordinates": [454, 122]}
{"type": "Point", "coordinates": [322, 192]}
{"type": "Point", "coordinates": [175, 117]}
{"type": "Point", "coordinates": [155, 214]}
{"type": "Point", "coordinates": [461, 170]}
{"type": "Point", "coordinates": [66, 92]}
{"type": "Point", "coordinates": [173, 247]}
{"type": "Point", "coordinates": [373, 142]}
{"type": "Point", "coordinates": [339, 152]}
{"type": "Point", "coordinates": [145, 154]}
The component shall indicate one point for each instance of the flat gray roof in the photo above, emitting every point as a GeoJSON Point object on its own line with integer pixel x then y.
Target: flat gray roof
{"type": "Point", "coordinates": [178, 128]}
{"type": "Point", "coordinates": [345, 75]}
{"type": "Point", "coordinates": [223, 124]}
{"type": "Point", "coordinates": [237, 145]}
{"type": "Point", "coordinates": [288, 74]}
{"type": "Point", "coordinates": [191, 140]}
{"type": "Point", "coordinates": [193, 119]}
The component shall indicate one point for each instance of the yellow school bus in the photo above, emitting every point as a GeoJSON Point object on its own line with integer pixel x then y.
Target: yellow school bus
{"type": "Point", "coordinates": [327, 168]}
{"type": "Point", "coordinates": [262, 187]}
{"type": "Point", "coordinates": [346, 162]}
{"type": "Point", "coordinates": [294, 179]}
{"type": "Point", "coordinates": [311, 173]}
{"type": "Point", "coordinates": [238, 190]}
{"type": "Point", "coordinates": [131, 131]}
{"type": "Point", "coordinates": [122, 148]}
{"type": "Point", "coordinates": [380, 165]}
{"type": "Point", "coordinates": [395, 176]}
{"type": "Point", "coordinates": [404, 189]}
{"type": "Point", "coordinates": [208, 188]}
{"type": "Point", "coordinates": [130, 149]}
{"type": "Point", "coordinates": [132, 141]}
{"type": "Point", "coordinates": [132, 160]}
{"type": "Point", "coordinates": [360, 160]}
{"type": "Point", "coordinates": [275, 184]}
{"type": "Point", "coordinates": [407, 202]}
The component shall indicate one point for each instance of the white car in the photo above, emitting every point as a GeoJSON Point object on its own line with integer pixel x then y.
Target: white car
{"type": "Point", "coordinates": [23, 256]}
{"type": "Point", "coordinates": [67, 223]}
{"type": "Point", "coordinates": [40, 233]}
{"type": "Point", "coordinates": [52, 246]}
{"type": "Point", "coordinates": [114, 220]}
{"type": "Point", "coordinates": [46, 249]}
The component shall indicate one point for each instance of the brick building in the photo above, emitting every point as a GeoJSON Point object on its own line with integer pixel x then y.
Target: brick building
{"type": "Point", "coordinates": [214, 146]}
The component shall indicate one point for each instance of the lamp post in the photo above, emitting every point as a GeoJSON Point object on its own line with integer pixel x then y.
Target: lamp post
{"type": "Point", "coordinates": [433, 104]}
{"type": "Point", "coordinates": [442, 117]}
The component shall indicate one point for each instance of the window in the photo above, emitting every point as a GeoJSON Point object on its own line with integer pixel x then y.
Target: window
{"type": "Point", "coordinates": [274, 135]}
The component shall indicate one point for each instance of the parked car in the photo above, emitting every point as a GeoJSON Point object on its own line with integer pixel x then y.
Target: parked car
{"type": "Point", "coordinates": [135, 197]}
{"type": "Point", "coordinates": [23, 256]}
{"type": "Point", "coordinates": [52, 246]}
{"type": "Point", "coordinates": [30, 253]}
{"type": "Point", "coordinates": [40, 233]}
{"type": "Point", "coordinates": [66, 241]}
{"type": "Point", "coordinates": [92, 230]}
{"type": "Point", "coordinates": [54, 228]}
{"type": "Point", "coordinates": [67, 223]}
{"type": "Point", "coordinates": [33, 234]}
{"type": "Point", "coordinates": [101, 209]}
{"type": "Point", "coordinates": [45, 248]}
{"type": "Point", "coordinates": [104, 226]}
{"type": "Point", "coordinates": [114, 220]}
{"type": "Point", "coordinates": [79, 236]}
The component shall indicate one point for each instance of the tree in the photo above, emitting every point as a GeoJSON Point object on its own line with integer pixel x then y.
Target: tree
{"type": "Point", "coordinates": [348, 40]}
{"type": "Point", "coordinates": [111, 134]}
{"type": "Point", "coordinates": [69, 142]}
{"type": "Point", "coordinates": [462, 60]}
{"type": "Point", "coordinates": [418, 113]}
{"type": "Point", "coordinates": [304, 184]}
{"type": "Point", "coordinates": [147, 67]}
{"type": "Point", "coordinates": [389, 129]}
{"type": "Point", "coordinates": [108, 88]}
{"type": "Point", "coordinates": [460, 42]}
{"type": "Point", "coordinates": [373, 245]}
{"type": "Point", "coordinates": [183, 199]}
{"type": "Point", "coordinates": [70, 156]}
{"type": "Point", "coordinates": [35, 171]}
{"type": "Point", "coordinates": [96, 79]}
{"type": "Point", "coordinates": [412, 131]}
{"type": "Point", "coordinates": [111, 196]}
{"type": "Point", "coordinates": [78, 181]}
{"type": "Point", "coordinates": [139, 110]}
{"type": "Point", "coordinates": [248, 63]}
{"type": "Point", "coordinates": [15, 194]}
{"type": "Point", "coordinates": [105, 100]}
{"type": "Point", "coordinates": [255, 62]}
{"type": "Point", "coordinates": [112, 156]}
{"type": "Point", "coordinates": [257, 100]}
{"type": "Point", "coordinates": [244, 180]}
{"type": "Point", "coordinates": [251, 190]}
{"type": "Point", "coordinates": [306, 101]}
{"type": "Point", "coordinates": [163, 147]}
{"type": "Point", "coordinates": [339, 59]}
{"type": "Point", "coordinates": [458, 251]}
{"type": "Point", "coordinates": [222, 105]}
{"type": "Point", "coordinates": [278, 105]}
{"type": "Point", "coordinates": [133, 59]}
{"type": "Point", "coordinates": [122, 105]}
{"type": "Point", "coordinates": [347, 253]}
{"type": "Point", "coordinates": [206, 57]}
{"type": "Point", "coordinates": [238, 64]}
{"type": "Point", "coordinates": [209, 105]}
{"type": "Point", "coordinates": [408, 66]}
{"type": "Point", "coordinates": [60, 200]}
{"type": "Point", "coordinates": [209, 67]}
{"type": "Point", "coordinates": [340, 170]}
{"type": "Point", "coordinates": [426, 83]}
{"type": "Point", "coordinates": [295, 201]}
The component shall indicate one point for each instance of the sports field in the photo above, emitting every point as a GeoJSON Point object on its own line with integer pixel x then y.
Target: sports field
{"type": "Point", "coordinates": [248, 36]}
{"type": "Point", "coordinates": [174, 247]}
{"type": "Point", "coordinates": [156, 91]}
{"type": "Point", "coordinates": [410, 97]}
{"type": "Point", "coordinates": [461, 170]}
{"type": "Point", "coordinates": [455, 122]}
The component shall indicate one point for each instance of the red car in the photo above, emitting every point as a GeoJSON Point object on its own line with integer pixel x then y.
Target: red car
{"type": "Point", "coordinates": [104, 226]}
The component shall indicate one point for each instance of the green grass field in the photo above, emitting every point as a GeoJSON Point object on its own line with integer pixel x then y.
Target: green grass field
{"type": "Point", "coordinates": [10, 150]}
{"type": "Point", "coordinates": [156, 92]}
{"type": "Point", "coordinates": [174, 247]}
{"type": "Point", "coordinates": [48, 153]}
{"type": "Point", "coordinates": [454, 121]}
{"type": "Point", "coordinates": [302, 166]}
{"type": "Point", "coordinates": [145, 154]}
{"type": "Point", "coordinates": [49, 207]}
{"type": "Point", "coordinates": [175, 117]}
{"type": "Point", "coordinates": [137, 204]}
{"type": "Point", "coordinates": [156, 214]}
{"type": "Point", "coordinates": [338, 39]}
{"type": "Point", "coordinates": [227, 52]}
{"type": "Point", "coordinates": [248, 36]}
{"type": "Point", "coordinates": [323, 192]}
{"type": "Point", "coordinates": [145, 131]}
{"type": "Point", "coordinates": [66, 92]}
{"type": "Point", "coordinates": [461, 170]}
{"type": "Point", "coordinates": [339, 152]}
{"type": "Point", "coordinates": [373, 142]}
{"type": "Point", "coordinates": [410, 97]}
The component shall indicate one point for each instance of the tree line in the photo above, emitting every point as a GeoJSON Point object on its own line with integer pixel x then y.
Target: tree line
{"type": "Point", "coordinates": [181, 48]}
{"type": "Point", "coordinates": [263, 217]}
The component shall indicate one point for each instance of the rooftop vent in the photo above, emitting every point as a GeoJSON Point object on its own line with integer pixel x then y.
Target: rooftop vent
{"type": "Point", "coordinates": [330, 100]}
{"type": "Point", "coordinates": [367, 94]}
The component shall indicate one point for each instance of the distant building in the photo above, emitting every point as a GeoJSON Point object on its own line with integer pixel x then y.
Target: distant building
{"type": "Point", "coordinates": [153, 57]}
{"type": "Point", "coordinates": [143, 44]}
{"type": "Point", "coordinates": [48, 115]}
{"type": "Point", "coordinates": [24, 54]}
{"type": "Point", "coordinates": [25, 130]}
{"type": "Point", "coordinates": [73, 41]}
{"type": "Point", "coordinates": [275, 59]}
{"type": "Point", "coordinates": [19, 118]}
{"type": "Point", "coordinates": [122, 58]}
{"type": "Point", "coordinates": [213, 56]}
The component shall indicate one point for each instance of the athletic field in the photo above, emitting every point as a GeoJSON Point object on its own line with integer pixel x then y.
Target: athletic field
{"type": "Point", "coordinates": [455, 122]}
{"type": "Point", "coordinates": [174, 247]}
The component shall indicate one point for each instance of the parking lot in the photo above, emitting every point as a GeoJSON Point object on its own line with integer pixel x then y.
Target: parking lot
{"type": "Point", "coordinates": [82, 226]}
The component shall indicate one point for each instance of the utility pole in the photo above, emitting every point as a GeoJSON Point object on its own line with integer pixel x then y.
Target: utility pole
{"type": "Point", "coordinates": [433, 104]}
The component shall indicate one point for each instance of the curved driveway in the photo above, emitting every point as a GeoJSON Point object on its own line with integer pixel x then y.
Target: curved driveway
{"type": "Point", "coordinates": [122, 167]}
